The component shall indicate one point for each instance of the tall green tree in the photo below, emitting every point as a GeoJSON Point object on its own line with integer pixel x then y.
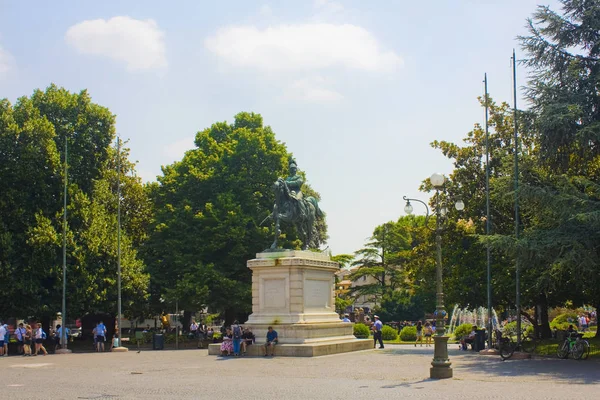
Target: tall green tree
{"type": "Point", "coordinates": [208, 210]}
{"type": "Point", "coordinates": [32, 137]}
{"type": "Point", "coordinates": [563, 54]}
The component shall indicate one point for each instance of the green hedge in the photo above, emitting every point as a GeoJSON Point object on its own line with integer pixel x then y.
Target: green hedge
{"type": "Point", "coordinates": [408, 334]}
{"type": "Point", "coordinates": [361, 331]}
{"type": "Point", "coordinates": [564, 318]}
{"type": "Point", "coordinates": [462, 330]}
{"type": "Point", "coordinates": [388, 333]}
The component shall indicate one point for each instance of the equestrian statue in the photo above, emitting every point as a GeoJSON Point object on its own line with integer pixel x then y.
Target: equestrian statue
{"type": "Point", "coordinates": [293, 208]}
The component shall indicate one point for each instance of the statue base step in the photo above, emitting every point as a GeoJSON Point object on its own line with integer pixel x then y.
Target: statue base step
{"type": "Point", "coordinates": [322, 348]}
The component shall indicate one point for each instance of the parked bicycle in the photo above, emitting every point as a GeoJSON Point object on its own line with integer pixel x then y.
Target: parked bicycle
{"type": "Point", "coordinates": [507, 346]}
{"type": "Point", "coordinates": [574, 345]}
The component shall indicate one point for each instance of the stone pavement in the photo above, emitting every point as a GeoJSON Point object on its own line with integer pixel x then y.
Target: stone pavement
{"type": "Point", "coordinates": [395, 372]}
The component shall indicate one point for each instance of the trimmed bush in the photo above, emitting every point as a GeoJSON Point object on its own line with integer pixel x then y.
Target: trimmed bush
{"type": "Point", "coordinates": [511, 328]}
{"type": "Point", "coordinates": [361, 331]}
{"type": "Point", "coordinates": [408, 334]}
{"type": "Point", "coordinates": [462, 330]}
{"type": "Point", "coordinates": [567, 318]}
{"type": "Point", "coordinates": [388, 333]}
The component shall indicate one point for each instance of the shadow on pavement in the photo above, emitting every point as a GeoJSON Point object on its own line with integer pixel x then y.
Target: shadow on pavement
{"type": "Point", "coordinates": [472, 363]}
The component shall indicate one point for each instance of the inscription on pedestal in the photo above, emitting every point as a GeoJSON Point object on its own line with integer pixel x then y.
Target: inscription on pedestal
{"type": "Point", "coordinates": [274, 293]}
{"type": "Point", "coordinates": [317, 293]}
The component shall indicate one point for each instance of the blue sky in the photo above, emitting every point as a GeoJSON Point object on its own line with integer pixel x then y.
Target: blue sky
{"type": "Point", "coordinates": [357, 90]}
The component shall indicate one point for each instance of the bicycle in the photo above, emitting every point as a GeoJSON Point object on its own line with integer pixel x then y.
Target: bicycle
{"type": "Point", "coordinates": [507, 346]}
{"type": "Point", "coordinates": [586, 349]}
{"type": "Point", "coordinates": [573, 345]}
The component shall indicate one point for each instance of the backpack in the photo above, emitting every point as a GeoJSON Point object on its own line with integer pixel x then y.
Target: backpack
{"type": "Point", "coordinates": [43, 334]}
{"type": "Point", "coordinates": [237, 332]}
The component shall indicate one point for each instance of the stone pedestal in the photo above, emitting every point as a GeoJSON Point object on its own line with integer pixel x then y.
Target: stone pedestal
{"type": "Point", "coordinates": [440, 366]}
{"type": "Point", "coordinates": [293, 291]}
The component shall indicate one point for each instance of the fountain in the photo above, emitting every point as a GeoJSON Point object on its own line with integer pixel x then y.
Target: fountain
{"type": "Point", "coordinates": [477, 316]}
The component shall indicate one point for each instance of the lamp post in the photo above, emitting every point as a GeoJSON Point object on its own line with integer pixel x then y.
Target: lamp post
{"type": "Point", "coordinates": [441, 363]}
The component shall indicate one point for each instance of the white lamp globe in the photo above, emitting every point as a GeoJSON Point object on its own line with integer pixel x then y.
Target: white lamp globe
{"type": "Point", "coordinates": [437, 180]}
{"type": "Point", "coordinates": [460, 205]}
{"type": "Point", "coordinates": [408, 208]}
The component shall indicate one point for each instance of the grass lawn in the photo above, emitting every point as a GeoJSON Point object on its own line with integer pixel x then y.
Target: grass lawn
{"type": "Point", "coordinates": [548, 347]}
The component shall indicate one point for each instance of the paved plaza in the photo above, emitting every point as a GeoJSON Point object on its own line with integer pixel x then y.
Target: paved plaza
{"type": "Point", "coordinates": [396, 372]}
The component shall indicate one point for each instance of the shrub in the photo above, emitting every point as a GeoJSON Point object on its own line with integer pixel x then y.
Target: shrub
{"type": "Point", "coordinates": [568, 318]}
{"type": "Point", "coordinates": [462, 330]}
{"type": "Point", "coordinates": [361, 331]}
{"type": "Point", "coordinates": [511, 328]}
{"type": "Point", "coordinates": [408, 334]}
{"type": "Point", "coordinates": [388, 333]}
{"type": "Point", "coordinates": [561, 326]}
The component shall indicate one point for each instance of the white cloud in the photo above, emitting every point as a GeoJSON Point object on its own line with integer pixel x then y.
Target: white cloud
{"type": "Point", "coordinates": [328, 6]}
{"type": "Point", "coordinates": [137, 43]}
{"type": "Point", "coordinates": [265, 10]}
{"type": "Point", "coordinates": [175, 151]}
{"type": "Point", "coordinates": [311, 90]}
{"type": "Point", "coordinates": [6, 62]}
{"type": "Point", "coordinates": [302, 47]}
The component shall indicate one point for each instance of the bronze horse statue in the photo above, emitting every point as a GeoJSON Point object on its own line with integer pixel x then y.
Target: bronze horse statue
{"type": "Point", "coordinates": [293, 208]}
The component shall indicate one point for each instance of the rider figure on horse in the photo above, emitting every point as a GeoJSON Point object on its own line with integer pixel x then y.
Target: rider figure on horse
{"type": "Point", "coordinates": [294, 184]}
{"type": "Point", "coordinates": [292, 207]}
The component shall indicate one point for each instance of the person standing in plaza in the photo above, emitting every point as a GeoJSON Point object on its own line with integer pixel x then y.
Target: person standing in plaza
{"type": "Point", "coordinates": [59, 336]}
{"type": "Point", "coordinates": [377, 326]}
{"type": "Point", "coordinates": [194, 329]}
{"type": "Point", "coordinates": [236, 330]}
{"type": "Point", "coordinates": [6, 339]}
{"type": "Point", "coordinates": [419, 334]}
{"type": "Point", "coordinates": [100, 336]}
{"type": "Point", "coordinates": [27, 341]}
{"type": "Point", "coordinates": [20, 334]}
{"type": "Point", "coordinates": [3, 335]}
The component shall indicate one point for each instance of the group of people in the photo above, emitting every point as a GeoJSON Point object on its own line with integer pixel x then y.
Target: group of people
{"type": "Point", "coordinates": [236, 340]}
{"type": "Point", "coordinates": [30, 339]}
{"type": "Point", "coordinates": [424, 331]}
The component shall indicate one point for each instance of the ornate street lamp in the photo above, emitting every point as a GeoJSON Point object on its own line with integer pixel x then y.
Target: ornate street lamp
{"type": "Point", "coordinates": [441, 363]}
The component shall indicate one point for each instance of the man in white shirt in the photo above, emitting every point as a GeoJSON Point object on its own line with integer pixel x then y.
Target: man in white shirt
{"type": "Point", "coordinates": [3, 335]}
{"type": "Point", "coordinates": [194, 328]}
{"type": "Point", "coordinates": [377, 326]}
{"type": "Point", "coordinates": [20, 334]}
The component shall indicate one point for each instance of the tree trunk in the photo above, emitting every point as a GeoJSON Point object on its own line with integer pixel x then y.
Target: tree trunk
{"type": "Point", "coordinates": [536, 326]}
{"type": "Point", "coordinates": [186, 320]}
{"type": "Point", "coordinates": [229, 316]}
{"type": "Point", "coordinates": [545, 332]}
{"type": "Point", "coordinates": [597, 330]}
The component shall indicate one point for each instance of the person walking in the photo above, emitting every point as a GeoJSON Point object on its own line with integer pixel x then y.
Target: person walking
{"type": "Point", "coordinates": [428, 334]}
{"type": "Point", "coordinates": [377, 326]}
{"type": "Point", "coordinates": [40, 336]}
{"type": "Point", "coordinates": [419, 333]}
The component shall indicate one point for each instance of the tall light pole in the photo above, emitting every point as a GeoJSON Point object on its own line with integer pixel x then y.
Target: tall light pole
{"type": "Point", "coordinates": [441, 362]}
{"type": "Point", "coordinates": [517, 278]}
{"type": "Point", "coordinates": [119, 239]}
{"type": "Point", "coordinates": [63, 330]}
{"type": "Point", "coordinates": [487, 215]}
